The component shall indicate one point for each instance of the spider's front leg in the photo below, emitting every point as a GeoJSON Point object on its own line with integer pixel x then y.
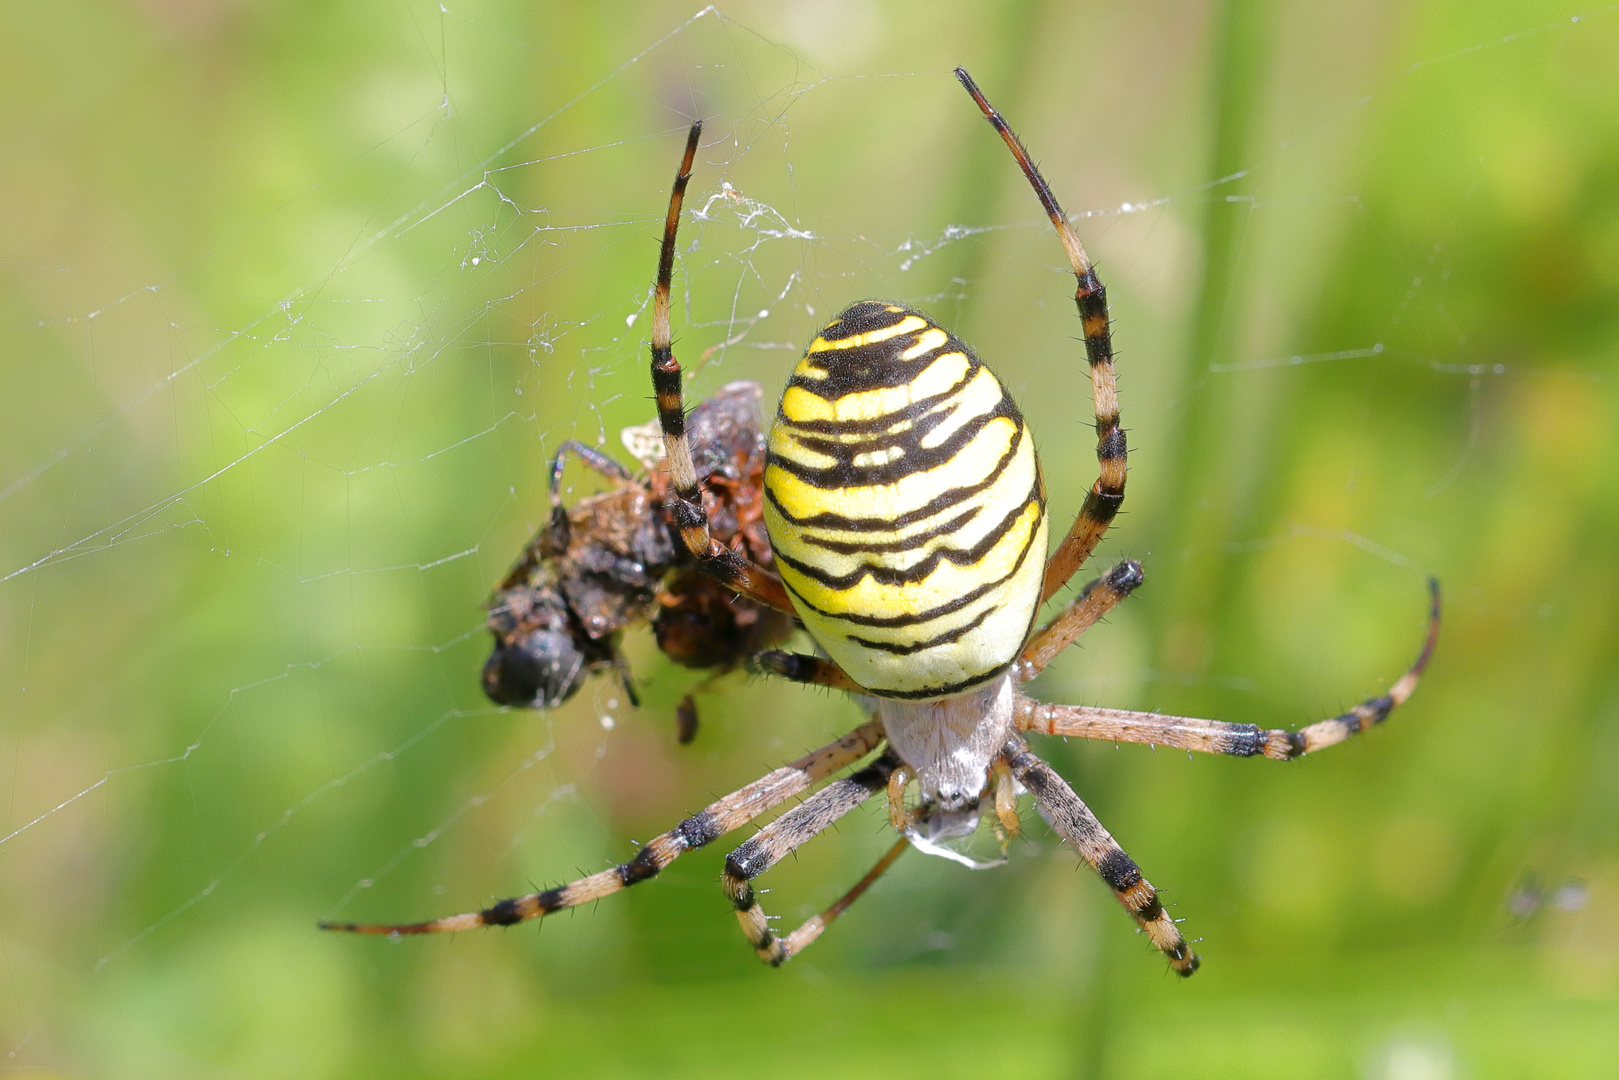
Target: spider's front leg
{"type": "Point", "coordinates": [730, 567]}
{"type": "Point", "coordinates": [1107, 494]}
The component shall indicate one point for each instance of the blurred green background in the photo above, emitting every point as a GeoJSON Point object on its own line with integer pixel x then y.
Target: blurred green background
{"type": "Point", "coordinates": [295, 300]}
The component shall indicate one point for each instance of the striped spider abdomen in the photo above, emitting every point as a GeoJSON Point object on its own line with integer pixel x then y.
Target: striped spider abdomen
{"type": "Point", "coordinates": [905, 505]}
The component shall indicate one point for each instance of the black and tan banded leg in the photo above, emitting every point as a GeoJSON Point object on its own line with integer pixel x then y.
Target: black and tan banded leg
{"type": "Point", "coordinates": [1094, 601]}
{"type": "Point", "coordinates": [795, 942]}
{"type": "Point", "coordinates": [1107, 494]}
{"type": "Point", "coordinates": [1222, 737]}
{"type": "Point", "coordinates": [1072, 819]}
{"type": "Point", "coordinates": [730, 567]}
{"type": "Point", "coordinates": [803, 668]}
{"type": "Point", "coordinates": [719, 818]}
{"type": "Point", "coordinates": [784, 836]}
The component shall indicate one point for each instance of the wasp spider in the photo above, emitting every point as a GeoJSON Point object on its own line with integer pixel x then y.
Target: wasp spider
{"type": "Point", "coordinates": [907, 514]}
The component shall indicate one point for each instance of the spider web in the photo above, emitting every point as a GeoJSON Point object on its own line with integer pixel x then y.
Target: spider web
{"type": "Point", "coordinates": [254, 501]}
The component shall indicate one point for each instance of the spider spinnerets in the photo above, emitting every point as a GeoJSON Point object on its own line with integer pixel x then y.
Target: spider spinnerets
{"type": "Point", "coordinates": [907, 516]}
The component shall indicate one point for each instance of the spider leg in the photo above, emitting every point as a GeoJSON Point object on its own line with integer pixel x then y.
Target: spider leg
{"type": "Point", "coordinates": [784, 836]}
{"type": "Point", "coordinates": [795, 942]}
{"type": "Point", "coordinates": [1072, 819]}
{"type": "Point", "coordinates": [1221, 737]}
{"type": "Point", "coordinates": [730, 567]}
{"type": "Point", "coordinates": [898, 816]}
{"type": "Point", "coordinates": [802, 668]}
{"type": "Point", "coordinates": [1005, 798]}
{"type": "Point", "coordinates": [729, 813]}
{"type": "Point", "coordinates": [1094, 601]}
{"type": "Point", "coordinates": [1107, 494]}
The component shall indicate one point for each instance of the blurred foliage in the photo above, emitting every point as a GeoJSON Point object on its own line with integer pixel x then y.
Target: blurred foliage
{"type": "Point", "coordinates": [298, 297]}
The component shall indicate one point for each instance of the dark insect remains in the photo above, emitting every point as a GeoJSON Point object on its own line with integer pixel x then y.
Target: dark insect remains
{"type": "Point", "coordinates": [614, 560]}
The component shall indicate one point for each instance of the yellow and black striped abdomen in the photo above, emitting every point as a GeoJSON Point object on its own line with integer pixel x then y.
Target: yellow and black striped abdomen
{"type": "Point", "coordinates": [905, 506]}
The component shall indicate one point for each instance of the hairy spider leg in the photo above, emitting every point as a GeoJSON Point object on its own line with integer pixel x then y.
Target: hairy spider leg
{"type": "Point", "coordinates": [730, 567]}
{"type": "Point", "coordinates": [802, 668]}
{"type": "Point", "coordinates": [718, 818]}
{"type": "Point", "coordinates": [1074, 821]}
{"type": "Point", "coordinates": [784, 836]}
{"type": "Point", "coordinates": [784, 949]}
{"type": "Point", "coordinates": [1107, 494]}
{"type": "Point", "coordinates": [1095, 600]}
{"type": "Point", "coordinates": [1221, 737]}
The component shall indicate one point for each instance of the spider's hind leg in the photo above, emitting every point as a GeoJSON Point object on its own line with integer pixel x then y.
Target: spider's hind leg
{"type": "Point", "coordinates": [1076, 824]}
{"type": "Point", "coordinates": [720, 817]}
{"type": "Point", "coordinates": [784, 836]}
{"type": "Point", "coordinates": [811, 928]}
